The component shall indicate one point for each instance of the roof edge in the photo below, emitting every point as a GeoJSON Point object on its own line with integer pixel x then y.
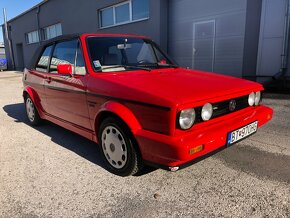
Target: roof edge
{"type": "Point", "coordinates": [27, 11]}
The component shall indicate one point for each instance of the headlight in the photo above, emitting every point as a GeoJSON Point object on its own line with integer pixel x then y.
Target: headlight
{"type": "Point", "coordinates": [187, 118]}
{"type": "Point", "coordinates": [258, 98]}
{"type": "Point", "coordinates": [251, 99]}
{"type": "Point", "coordinates": [206, 111]}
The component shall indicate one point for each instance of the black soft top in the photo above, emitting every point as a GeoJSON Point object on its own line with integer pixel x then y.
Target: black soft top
{"type": "Point", "coordinates": [41, 47]}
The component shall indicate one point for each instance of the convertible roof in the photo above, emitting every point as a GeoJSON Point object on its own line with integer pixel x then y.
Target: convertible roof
{"type": "Point", "coordinates": [46, 43]}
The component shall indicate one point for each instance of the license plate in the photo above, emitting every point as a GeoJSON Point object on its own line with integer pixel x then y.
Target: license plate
{"type": "Point", "coordinates": [242, 132]}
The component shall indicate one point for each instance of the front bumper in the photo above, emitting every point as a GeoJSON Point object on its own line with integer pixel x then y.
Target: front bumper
{"type": "Point", "coordinates": [173, 151]}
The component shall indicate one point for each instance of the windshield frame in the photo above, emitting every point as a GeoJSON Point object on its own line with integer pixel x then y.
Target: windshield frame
{"type": "Point", "coordinates": [146, 40]}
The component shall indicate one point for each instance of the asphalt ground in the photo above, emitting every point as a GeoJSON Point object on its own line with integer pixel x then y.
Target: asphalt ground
{"type": "Point", "coordinates": [48, 171]}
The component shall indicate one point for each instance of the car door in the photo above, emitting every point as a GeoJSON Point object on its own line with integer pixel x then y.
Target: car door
{"type": "Point", "coordinates": [66, 95]}
{"type": "Point", "coordinates": [35, 78]}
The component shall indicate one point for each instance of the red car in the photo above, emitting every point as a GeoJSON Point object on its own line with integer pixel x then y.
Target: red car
{"type": "Point", "coordinates": [124, 93]}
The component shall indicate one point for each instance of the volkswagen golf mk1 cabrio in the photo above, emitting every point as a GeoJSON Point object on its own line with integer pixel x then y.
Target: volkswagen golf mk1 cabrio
{"type": "Point", "coordinates": [124, 93]}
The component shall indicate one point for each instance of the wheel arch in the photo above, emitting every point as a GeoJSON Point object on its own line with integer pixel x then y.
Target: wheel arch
{"type": "Point", "coordinates": [120, 111]}
{"type": "Point", "coordinates": [28, 91]}
{"type": "Point", "coordinates": [125, 115]}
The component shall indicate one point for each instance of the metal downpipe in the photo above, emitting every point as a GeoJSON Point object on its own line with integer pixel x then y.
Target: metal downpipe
{"type": "Point", "coordinates": [285, 48]}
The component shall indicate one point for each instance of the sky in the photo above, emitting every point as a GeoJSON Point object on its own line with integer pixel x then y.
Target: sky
{"type": "Point", "coordinates": [14, 8]}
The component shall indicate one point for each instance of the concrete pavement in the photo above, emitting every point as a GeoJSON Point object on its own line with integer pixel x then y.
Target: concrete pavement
{"type": "Point", "coordinates": [48, 171]}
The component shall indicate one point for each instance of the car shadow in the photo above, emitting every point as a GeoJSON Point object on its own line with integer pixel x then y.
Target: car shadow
{"type": "Point", "coordinates": [65, 138]}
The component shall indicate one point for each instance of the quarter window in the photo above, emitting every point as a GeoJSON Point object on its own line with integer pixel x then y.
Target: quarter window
{"type": "Point", "coordinates": [42, 64]}
{"type": "Point", "coordinates": [80, 68]}
{"type": "Point", "coordinates": [126, 12]}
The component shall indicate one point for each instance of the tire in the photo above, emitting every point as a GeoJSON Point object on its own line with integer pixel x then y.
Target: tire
{"type": "Point", "coordinates": [31, 112]}
{"type": "Point", "coordinates": [119, 148]}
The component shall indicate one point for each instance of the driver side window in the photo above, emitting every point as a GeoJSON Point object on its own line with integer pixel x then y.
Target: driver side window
{"type": "Point", "coordinates": [64, 53]}
{"type": "Point", "coordinates": [68, 52]}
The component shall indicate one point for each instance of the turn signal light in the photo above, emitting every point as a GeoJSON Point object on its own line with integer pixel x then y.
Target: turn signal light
{"type": "Point", "coordinates": [196, 149]}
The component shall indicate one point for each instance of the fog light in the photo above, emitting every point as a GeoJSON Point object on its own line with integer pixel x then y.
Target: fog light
{"type": "Point", "coordinates": [173, 169]}
{"type": "Point", "coordinates": [196, 149]}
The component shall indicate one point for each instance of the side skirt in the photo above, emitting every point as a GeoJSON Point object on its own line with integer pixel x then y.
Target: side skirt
{"type": "Point", "coordinates": [87, 133]}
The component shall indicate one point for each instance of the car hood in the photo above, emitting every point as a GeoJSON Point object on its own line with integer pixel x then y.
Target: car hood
{"type": "Point", "coordinates": [176, 86]}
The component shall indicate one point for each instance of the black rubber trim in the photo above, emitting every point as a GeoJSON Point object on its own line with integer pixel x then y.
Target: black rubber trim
{"type": "Point", "coordinates": [187, 164]}
{"type": "Point", "coordinates": [65, 90]}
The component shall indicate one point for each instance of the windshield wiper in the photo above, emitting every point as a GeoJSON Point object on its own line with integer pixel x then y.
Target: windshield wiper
{"type": "Point", "coordinates": [126, 66]}
{"type": "Point", "coordinates": [168, 65]}
{"type": "Point", "coordinates": [159, 65]}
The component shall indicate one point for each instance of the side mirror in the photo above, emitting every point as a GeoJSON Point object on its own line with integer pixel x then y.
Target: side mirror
{"type": "Point", "coordinates": [163, 62]}
{"type": "Point", "coordinates": [64, 69]}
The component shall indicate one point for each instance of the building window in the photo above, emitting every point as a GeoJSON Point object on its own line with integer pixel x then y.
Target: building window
{"type": "Point", "coordinates": [126, 12]}
{"type": "Point", "coordinates": [52, 31]}
{"type": "Point", "coordinates": [140, 9]}
{"type": "Point", "coordinates": [122, 13]}
{"type": "Point", "coordinates": [32, 37]}
{"type": "Point", "coordinates": [107, 17]}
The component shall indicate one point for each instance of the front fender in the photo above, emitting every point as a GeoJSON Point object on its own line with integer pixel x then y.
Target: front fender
{"type": "Point", "coordinates": [122, 112]}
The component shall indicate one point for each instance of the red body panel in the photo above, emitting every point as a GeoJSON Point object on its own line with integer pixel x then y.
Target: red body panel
{"type": "Point", "coordinates": [174, 151]}
{"type": "Point", "coordinates": [148, 102]}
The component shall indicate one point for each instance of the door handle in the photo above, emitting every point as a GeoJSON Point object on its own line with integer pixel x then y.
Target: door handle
{"type": "Point", "coordinates": [48, 79]}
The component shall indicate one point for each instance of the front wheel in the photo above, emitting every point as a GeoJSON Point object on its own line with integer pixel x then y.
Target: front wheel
{"type": "Point", "coordinates": [31, 112]}
{"type": "Point", "coordinates": [118, 148]}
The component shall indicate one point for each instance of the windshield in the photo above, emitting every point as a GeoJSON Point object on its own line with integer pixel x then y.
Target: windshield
{"type": "Point", "coordinates": [125, 53]}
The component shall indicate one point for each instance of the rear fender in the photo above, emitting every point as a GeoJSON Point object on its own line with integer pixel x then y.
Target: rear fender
{"type": "Point", "coordinates": [35, 98]}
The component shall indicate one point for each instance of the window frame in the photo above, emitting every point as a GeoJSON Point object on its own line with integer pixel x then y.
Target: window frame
{"type": "Point", "coordinates": [74, 58]}
{"type": "Point", "coordinates": [47, 27]}
{"type": "Point", "coordinates": [53, 44]}
{"type": "Point", "coordinates": [131, 20]}
{"type": "Point", "coordinates": [80, 48]}
{"type": "Point", "coordinates": [145, 40]}
{"type": "Point", "coordinates": [27, 37]}
{"type": "Point", "coordinates": [121, 4]}
{"type": "Point", "coordinates": [49, 58]}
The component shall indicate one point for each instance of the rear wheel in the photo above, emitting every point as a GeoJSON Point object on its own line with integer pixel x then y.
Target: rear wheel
{"type": "Point", "coordinates": [31, 112]}
{"type": "Point", "coordinates": [119, 148]}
